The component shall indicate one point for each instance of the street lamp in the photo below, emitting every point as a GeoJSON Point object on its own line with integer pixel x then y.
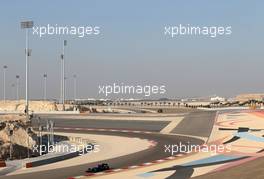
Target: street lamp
{"type": "Point", "coordinates": [40, 139]}
{"type": "Point", "coordinates": [45, 86]}
{"type": "Point", "coordinates": [51, 124]}
{"type": "Point", "coordinates": [65, 91]}
{"type": "Point", "coordinates": [63, 74]}
{"type": "Point", "coordinates": [17, 87]}
{"type": "Point", "coordinates": [27, 25]}
{"type": "Point", "coordinates": [48, 131]}
{"type": "Point", "coordinates": [13, 90]}
{"type": "Point", "coordinates": [5, 67]}
{"type": "Point", "coordinates": [75, 86]}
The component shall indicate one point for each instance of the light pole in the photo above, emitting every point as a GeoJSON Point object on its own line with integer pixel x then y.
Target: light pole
{"type": "Point", "coordinates": [40, 139]}
{"type": "Point", "coordinates": [27, 25]}
{"type": "Point", "coordinates": [51, 124]}
{"type": "Point", "coordinates": [75, 86]}
{"type": "Point", "coordinates": [45, 86]}
{"type": "Point", "coordinates": [63, 74]}
{"type": "Point", "coordinates": [61, 80]}
{"type": "Point", "coordinates": [65, 91]}
{"type": "Point", "coordinates": [48, 131]}
{"type": "Point", "coordinates": [17, 87]}
{"type": "Point", "coordinates": [5, 67]}
{"type": "Point", "coordinates": [13, 90]}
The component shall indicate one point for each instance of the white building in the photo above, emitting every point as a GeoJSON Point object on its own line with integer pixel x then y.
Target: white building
{"type": "Point", "coordinates": [217, 99]}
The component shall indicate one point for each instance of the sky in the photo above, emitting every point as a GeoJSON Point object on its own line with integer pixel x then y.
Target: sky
{"type": "Point", "coordinates": [132, 48]}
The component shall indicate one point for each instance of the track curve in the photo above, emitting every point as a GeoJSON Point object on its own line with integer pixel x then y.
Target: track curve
{"type": "Point", "coordinates": [151, 154]}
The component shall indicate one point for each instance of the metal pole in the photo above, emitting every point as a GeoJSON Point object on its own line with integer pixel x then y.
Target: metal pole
{"type": "Point", "coordinates": [38, 118]}
{"type": "Point", "coordinates": [40, 143]}
{"type": "Point", "coordinates": [4, 84]}
{"type": "Point", "coordinates": [48, 132]}
{"type": "Point", "coordinates": [45, 87]}
{"type": "Point", "coordinates": [26, 25]}
{"type": "Point", "coordinates": [17, 87]}
{"type": "Point", "coordinates": [13, 91]}
{"type": "Point", "coordinates": [61, 81]}
{"type": "Point", "coordinates": [63, 73]}
{"type": "Point", "coordinates": [27, 54]}
{"type": "Point", "coordinates": [65, 87]}
{"type": "Point", "coordinates": [51, 132]}
{"type": "Point", "coordinates": [75, 87]}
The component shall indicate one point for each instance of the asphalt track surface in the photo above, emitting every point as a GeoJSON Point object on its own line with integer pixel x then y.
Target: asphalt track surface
{"type": "Point", "coordinates": [106, 124]}
{"type": "Point", "coordinates": [137, 158]}
{"type": "Point", "coordinates": [198, 123]}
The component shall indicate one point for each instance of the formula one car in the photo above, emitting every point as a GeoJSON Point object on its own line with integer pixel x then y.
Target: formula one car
{"type": "Point", "coordinates": [99, 168]}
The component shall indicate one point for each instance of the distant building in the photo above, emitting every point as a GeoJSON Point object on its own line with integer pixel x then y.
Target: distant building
{"type": "Point", "coordinates": [217, 99]}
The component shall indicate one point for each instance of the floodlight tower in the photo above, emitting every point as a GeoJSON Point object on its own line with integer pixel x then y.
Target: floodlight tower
{"type": "Point", "coordinates": [63, 74]}
{"type": "Point", "coordinates": [27, 25]}
{"type": "Point", "coordinates": [65, 89]}
{"type": "Point", "coordinates": [13, 90]}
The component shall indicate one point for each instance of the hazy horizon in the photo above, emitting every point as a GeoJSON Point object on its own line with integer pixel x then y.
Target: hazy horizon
{"type": "Point", "coordinates": [132, 48]}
